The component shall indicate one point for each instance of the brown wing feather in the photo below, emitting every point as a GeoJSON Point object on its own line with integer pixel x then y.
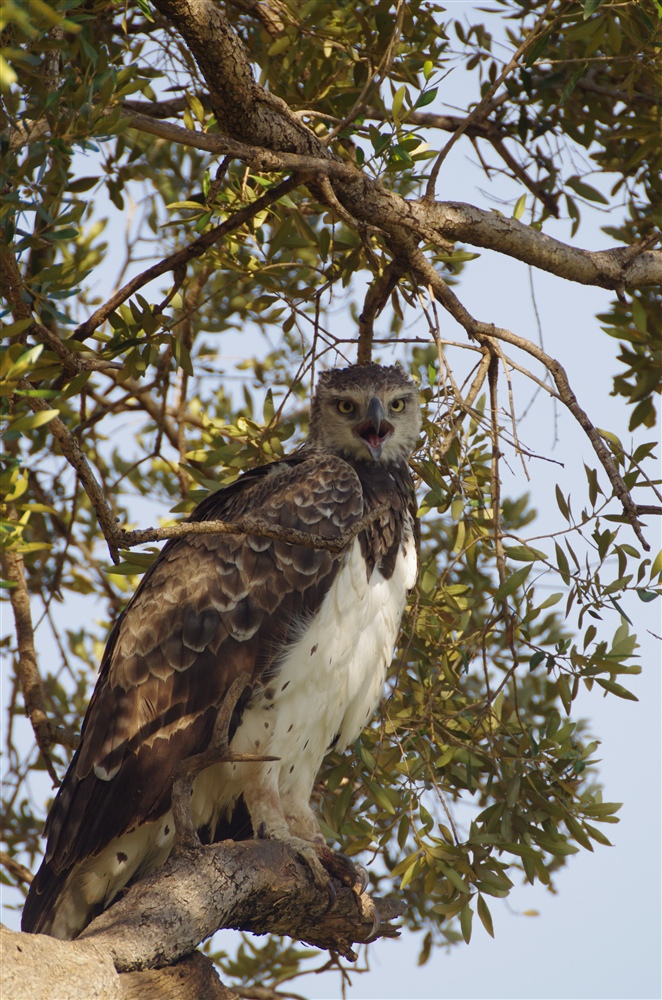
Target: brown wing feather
{"type": "Point", "coordinates": [211, 608]}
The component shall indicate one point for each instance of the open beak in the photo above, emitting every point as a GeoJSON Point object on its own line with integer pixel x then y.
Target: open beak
{"type": "Point", "coordinates": [375, 429]}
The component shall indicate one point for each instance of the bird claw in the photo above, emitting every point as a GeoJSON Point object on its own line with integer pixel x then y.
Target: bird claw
{"type": "Point", "coordinates": [362, 878]}
{"type": "Point", "coordinates": [369, 911]}
{"type": "Point", "coordinates": [325, 865]}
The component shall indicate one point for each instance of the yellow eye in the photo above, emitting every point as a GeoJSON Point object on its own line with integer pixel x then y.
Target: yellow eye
{"type": "Point", "coordinates": [397, 405]}
{"type": "Point", "coordinates": [344, 406]}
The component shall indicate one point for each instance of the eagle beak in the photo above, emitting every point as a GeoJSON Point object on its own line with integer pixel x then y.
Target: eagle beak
{"type": "Point", "coordinates": [375, 429]}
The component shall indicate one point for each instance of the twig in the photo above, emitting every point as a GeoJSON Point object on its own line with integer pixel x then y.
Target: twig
{"type": "Point", "coordinates": [478, 330]}
{"type": "Point", "coordinates": [15, 868]}
{"type": "Point", "coordinates": [495, 484]}
{"type": "Point", "coordinates": [485, 101]}
{"type": "Point", "coordinates": [177, 260]}
{"type": "Point", "coordinates": [28, 667]}
{"type": "Point", "coordinates": [73, 452]}
{"type": "Point", "coordinates": [250, 526]}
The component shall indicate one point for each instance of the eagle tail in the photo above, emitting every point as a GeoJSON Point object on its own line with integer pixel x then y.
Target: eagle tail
{"type": "Point", "coordinates": [43, 912]}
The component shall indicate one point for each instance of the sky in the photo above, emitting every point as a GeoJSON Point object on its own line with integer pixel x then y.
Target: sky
{"type": "Point", "coordinates": [598, 937]}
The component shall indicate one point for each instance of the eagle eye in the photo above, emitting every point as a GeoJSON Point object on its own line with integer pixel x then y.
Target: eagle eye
{"type": "Point", "coordinates": [397, 405]}
{"type": "Point", "coordinates": [345, 406]}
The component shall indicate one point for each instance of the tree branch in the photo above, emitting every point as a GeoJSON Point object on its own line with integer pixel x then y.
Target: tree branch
{"type": "Point", "coordinates": [370, 202]}
{"type": "Point", "coordinates": [179, 259]}
{"type": "Point", "coordinates": [73, 452]}
{"type": "Point", "coordinates": [28, 667]}
{"type": "Point", "coordinates": [252, 885]}
{"type": "Point", "coordinates": [249, 526]}
{"type": "Point", "coordinates": [376, 298]}
{"type": "Point", "coordinates": [479, 330]}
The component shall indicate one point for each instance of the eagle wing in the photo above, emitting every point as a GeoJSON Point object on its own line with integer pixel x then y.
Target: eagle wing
{"type": "Point", "coordinates": [210, 608]}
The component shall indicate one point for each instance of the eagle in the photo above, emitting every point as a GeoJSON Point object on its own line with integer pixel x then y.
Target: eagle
{"type": "Point", "coordinates": [313, 631]}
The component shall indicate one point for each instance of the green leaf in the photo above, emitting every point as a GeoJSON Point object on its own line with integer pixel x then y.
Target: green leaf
{"type": "Point", "coordinates": [524, 553]}
{"type": "Point", "coordinates": [536, 659]}
{"type": "Point", "coordinates": [24, 362]}
{"type": "Point", "coordinates": [520, 206]}
{"type": "Point", "coordinates": [268, 408]}
{"type": "Point", "coordinates": [512, 584]}
{"type": "Point", "coordinates": [485, 915]}
{"type": "Point", "coordinates": [455, 878]}
{"type": "Point", "coordinates": [30, 421]}
{"type": "Point", "coordinates": [646, 595]}
{"type": "Point", "coordinates": [562, 504]}
{"type": "Point", "coordinates": [562, 563]}
{"type": "Point", "coordinates": [616, 689]}
{"type": "Point", "coordinates": [571, 84]}
{"type": "Point", "coordinates": [590, 7]}
{"type": "Point", "coordinates": [585, 190]}
{"type": "Point", "coordinates": [398, 98]}
{"type": "Point", "coordinates": [466, 919]}
{"type": "Point", "coordinates": [427, 97]}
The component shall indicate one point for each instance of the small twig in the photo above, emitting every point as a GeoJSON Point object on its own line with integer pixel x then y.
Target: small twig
{"type": "Point", "coordinates": [28, 667]}
{"type": "Point", "coordinates": [483, 104]}
{"type": "Point", "coordinates": [73, 452]}
{"type": "Point", "coordinates": [250, 526]}
{"type": "Point", "coordinates": [495, 484]}
{"type": "Point", "coordinates": [15, 868]}
{"type": "Point", "coordinates": [176, 261]}
{"type": "Point", "coordinates": [511, 404]}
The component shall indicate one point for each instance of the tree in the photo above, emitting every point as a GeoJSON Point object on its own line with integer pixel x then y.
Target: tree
{"type": "Point", "coordinates": [264, 153]}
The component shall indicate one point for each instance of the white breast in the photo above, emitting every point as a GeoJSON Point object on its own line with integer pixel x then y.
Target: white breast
{"type": "Point", "coordinates": [328, 684]}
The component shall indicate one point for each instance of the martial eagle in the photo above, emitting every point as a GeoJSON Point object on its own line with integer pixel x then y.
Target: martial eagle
{"type": "Point", "coordinates": [314, 630]}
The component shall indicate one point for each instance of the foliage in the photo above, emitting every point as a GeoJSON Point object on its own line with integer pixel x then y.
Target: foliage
{"type": "Point", "coordinates": [480, 697]}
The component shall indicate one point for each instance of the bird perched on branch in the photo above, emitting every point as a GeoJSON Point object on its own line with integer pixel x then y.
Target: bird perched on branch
{"type": "Point", "coordinates": [312, 631]}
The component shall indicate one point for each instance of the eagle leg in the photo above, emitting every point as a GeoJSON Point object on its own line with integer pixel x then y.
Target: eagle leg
{"type": "Point", "coordinates": [217, 752]}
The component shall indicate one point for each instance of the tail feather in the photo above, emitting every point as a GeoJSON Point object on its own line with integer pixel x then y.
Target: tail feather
{"type": "Point", "coordinates": [42, 904]}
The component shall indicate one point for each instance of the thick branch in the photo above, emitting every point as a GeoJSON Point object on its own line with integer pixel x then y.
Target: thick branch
{"type": "Point", "coordinates": [256, 885]}
{"type": "Point", "coordinates": [605, 268]}
{"type": "Point", "coordinates": [370, 202]}
{"type": "Point", "coordinates": [376, 298]}
{"type": "Point", "coordinates": [243, 108]}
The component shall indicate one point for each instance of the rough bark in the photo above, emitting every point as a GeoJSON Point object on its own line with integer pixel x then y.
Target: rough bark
{"type": "Point", "coordinates": [150, 935]}
{"type": "Point", "coordinates": [258, 886]}
{"type": "Point", "coordinates": [36, 967]}
{"type": "Point", "coordinates": [249, 114]}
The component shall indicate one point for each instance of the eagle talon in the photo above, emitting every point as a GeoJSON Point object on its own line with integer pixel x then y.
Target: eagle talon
{"type": "Point", "coordinates": [368, 910]}
{"type": "Point", "coordinates": [362, 879]}
{"type": "Point", "coordinates": [333, 895]}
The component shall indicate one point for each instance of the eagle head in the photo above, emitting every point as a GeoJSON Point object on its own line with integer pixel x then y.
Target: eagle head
{"type": "Point", "coordinates": [366, 412]}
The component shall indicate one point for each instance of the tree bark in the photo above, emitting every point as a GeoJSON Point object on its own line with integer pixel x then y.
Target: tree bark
{"type": "Point", "coordinates": [144, 945]}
